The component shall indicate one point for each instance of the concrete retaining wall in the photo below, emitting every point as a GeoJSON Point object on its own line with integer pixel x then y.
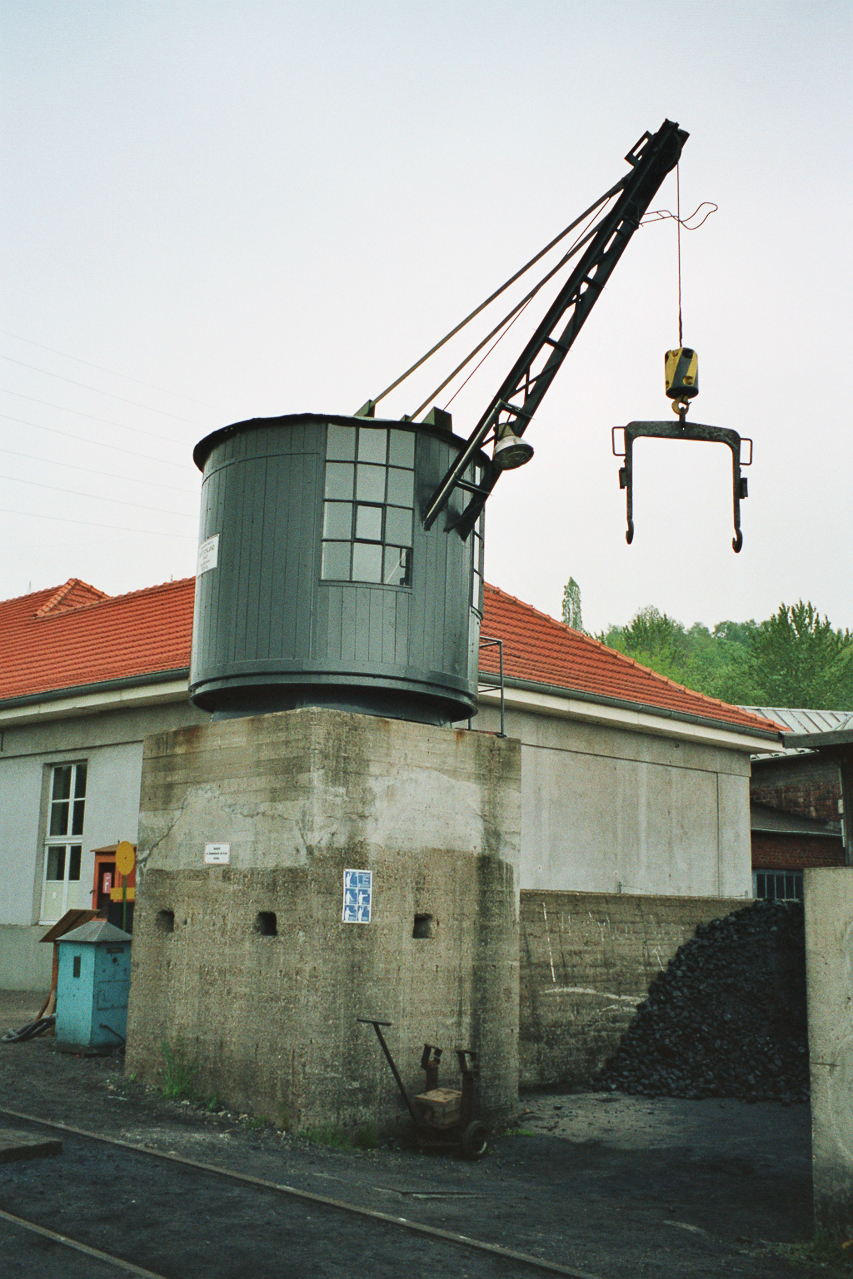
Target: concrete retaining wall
{"type": "Point", "coordinates": [587, 960]}
{"type": "Point", "coordinates": [269, 1021]}
{"type": "Point", "coordinates": [829, 974]}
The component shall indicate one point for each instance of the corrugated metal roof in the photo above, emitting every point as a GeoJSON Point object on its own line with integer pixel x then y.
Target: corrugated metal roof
{"type": "Point", "coordinates": [804, 721]}
{"type": "Point", "coordinates": [775, 822]}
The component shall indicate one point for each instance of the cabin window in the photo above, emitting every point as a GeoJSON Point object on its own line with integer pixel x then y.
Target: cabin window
{"type": "Point", "coordinates": [368, 506]}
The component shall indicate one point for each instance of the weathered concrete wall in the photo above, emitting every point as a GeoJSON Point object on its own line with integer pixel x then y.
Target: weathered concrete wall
{"type": "Point", "coordinates": [270, 1021]}
{"type": "Point", "coordinates": [829, 976]}
{"type": "Point", "coordinates": [603, 807]}
{"type": "Point", "coordinates": [587, 961]}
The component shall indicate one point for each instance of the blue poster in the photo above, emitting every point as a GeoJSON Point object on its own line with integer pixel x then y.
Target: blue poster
{"type": "Point", "coordinates": [358, 896]}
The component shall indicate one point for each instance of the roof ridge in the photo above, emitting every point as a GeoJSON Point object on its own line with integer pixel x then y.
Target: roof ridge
{"type": "Point", "coordinates": [51, 610]}
{"type": "Point", "coordinates": [590, 639]}
{"type": "Point", "coordinates": [52, 605]}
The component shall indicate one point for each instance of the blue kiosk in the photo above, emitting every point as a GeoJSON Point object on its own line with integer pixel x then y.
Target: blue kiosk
{"type": "Point", "coordinates": [93, 985]}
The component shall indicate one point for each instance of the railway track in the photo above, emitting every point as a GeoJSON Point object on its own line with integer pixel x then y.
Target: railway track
{"type": "Point", "coordinates": [372, 1227]}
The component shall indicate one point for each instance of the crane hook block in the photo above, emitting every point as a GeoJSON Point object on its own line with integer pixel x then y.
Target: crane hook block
{"type": "Point", "coordinates": [683, 431]}
{"type": "Point", "coordinates": [681, 373]}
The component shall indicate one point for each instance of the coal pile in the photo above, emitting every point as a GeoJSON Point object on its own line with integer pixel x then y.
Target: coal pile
{"type": "Point", "coordinates": [728, 1016]}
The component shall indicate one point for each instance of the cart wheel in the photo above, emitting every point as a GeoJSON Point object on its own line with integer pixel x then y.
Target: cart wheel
{"type": "Point", "coordinates": [475, 1140]}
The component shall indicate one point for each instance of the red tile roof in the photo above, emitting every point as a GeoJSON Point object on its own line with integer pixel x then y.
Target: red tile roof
{"type": "Point", "coordinates": [75, 635]}
{"type": "Point", "coordinates": [540, 650]}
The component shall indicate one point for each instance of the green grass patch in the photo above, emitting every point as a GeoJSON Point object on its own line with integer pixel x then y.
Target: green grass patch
{"type": "Point", "coordinates": [363, 1138]}
{"type": "Point", "coordinates": [823, 1251]}
{"type": "Point", "coordinates": [178, 1073]}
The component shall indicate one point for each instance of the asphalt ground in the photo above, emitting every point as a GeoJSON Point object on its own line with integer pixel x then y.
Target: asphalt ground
{"type": "Point", "coordinates": [606, 1184]}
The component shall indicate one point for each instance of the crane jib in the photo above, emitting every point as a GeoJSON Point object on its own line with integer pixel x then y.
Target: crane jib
{"type": "Point", "coordinates": [517, 399]}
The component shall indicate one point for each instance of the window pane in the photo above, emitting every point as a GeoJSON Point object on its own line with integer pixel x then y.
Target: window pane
{"type": "Point", "coordinates": [401, 448]}
{"type": "Point", "coordinates": [366, 562]}
{"type": "Point", "coordinates": [397, 562]}
{"type": "Point", "coordinates": [337, 520]}
{"type": "Point", "coordinates": [398, 526]}
{"type": "Point", "coordinates": [339, 480]}
{"type": "Point", "coordinates": [62, 782]}
{"type": "Point", "coordinates": [80, 781]}
{"type": "Point", "coordinates": [401, 486]}
{"type": "Point", "coordinates": [336, 561]}
{"type": "Point", "coordinates": [340, 443]}
{"type": "Point", "coordinates": [372, 444]}
{"type": "Point", "coordinates": [370, 485]}
{"type": "Point", "coordinates": [77, 817]}
{"type": "Point", "coordinates": [368, 523]}
{"type": "Point", "coordinates": [55, 863]}
{"type": "Point", "coordinates": [59, 818]}
{"type": "Point", "coordinates": [74, 861]}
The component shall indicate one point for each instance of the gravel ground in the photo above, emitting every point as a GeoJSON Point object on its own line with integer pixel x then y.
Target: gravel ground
{"type": "Point", "coordinates": [609, 1184]}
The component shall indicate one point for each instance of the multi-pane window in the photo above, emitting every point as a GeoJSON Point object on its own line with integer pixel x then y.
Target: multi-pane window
{"type": "Point", "coordinates": [477, 566]}
{"type": "Point", "coordinates": [369, 504]}
{"type": "Point", "coordinates": [778, 885]}
{"type": "Point", "coordinates": [63, 847]}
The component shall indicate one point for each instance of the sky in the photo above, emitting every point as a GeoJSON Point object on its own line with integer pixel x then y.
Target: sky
{"type": "Point", "coordinates": [213, 211]}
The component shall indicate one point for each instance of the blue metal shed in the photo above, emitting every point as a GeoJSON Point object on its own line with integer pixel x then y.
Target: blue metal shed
{"type": "Point", "coordinates": [93, 985]}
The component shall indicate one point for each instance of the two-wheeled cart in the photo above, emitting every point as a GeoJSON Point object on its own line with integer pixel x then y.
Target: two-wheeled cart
{"type": "Point", "coordinates": [443, 1118]}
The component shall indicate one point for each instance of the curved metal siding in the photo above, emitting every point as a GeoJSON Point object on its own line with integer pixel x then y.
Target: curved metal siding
{"type": "Point", "coordinates": [268, 628]}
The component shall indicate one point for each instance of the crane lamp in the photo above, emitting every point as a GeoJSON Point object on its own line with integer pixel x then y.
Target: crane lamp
{"type": "Point", "coordinates": [510, 452]}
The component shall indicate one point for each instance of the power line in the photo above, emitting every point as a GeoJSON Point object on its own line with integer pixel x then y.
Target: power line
{"type": "Point", "coordinates": [110, 394]}
{"type": "Point", "coordinates": [85, 439]}
{"type": "Point", "coordinates": [107, 421]}
{"type": "Point", "coordinates": [61, 519]}
{"type": "Point", "coordinates": [95, 497]}
{"type": "Point", "coordinates": [102, 368]}
{"type": "Point", "coordinates": [91, 470]}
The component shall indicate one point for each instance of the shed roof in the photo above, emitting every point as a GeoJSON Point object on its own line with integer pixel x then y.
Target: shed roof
{"type": "Point", "coordinates": [97, 931]}
{"type": "Point", "coordinates": [75, 636]}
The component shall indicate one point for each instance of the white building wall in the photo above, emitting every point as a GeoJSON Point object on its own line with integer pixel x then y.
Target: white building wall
{"type": "Point", "coordinates": [605, 809]}
{"type": "Point", "coordinates": [111, 745]}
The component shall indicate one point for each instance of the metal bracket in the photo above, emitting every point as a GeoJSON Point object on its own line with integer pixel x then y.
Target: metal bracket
{"type": "Point", "coordinates": [683, 430]}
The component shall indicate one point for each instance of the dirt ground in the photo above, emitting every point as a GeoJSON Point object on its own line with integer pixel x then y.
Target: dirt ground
{"type": "Point", "coordinates": [610, 1185]}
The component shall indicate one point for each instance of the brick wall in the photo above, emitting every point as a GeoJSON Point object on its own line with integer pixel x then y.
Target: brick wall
{"type": "Point", "coordinates": [587, 960]}
{"type": "Point", "coordinates": [772, 851]}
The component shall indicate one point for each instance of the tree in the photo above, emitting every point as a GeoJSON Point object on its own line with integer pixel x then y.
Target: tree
{"type": "Point", "coordinates": [796, 658]}
{"type": "Point", "coordinates": [572, 605]}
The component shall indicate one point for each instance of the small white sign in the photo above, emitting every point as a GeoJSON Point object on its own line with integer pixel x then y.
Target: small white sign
{"type": "Point", "coordinates": [208, 555]}
{"type": "Point", "coordinates": [217, 854]}
{"type": "Point", "coordinates": [358, 896]}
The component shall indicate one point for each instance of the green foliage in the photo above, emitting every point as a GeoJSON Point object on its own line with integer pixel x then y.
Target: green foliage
{"type": "Point", "coordinates": [364, 1138]}
{"type": "Point", "coordinates": [795, 658]}
{"type": "Point", "coordinates": [572, 605]}
{"type": "Point", "coordinates": [178, 1073]}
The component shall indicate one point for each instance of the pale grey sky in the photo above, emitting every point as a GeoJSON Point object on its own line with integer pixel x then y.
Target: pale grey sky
{"type": "Point", "coordinates": [262, 208]}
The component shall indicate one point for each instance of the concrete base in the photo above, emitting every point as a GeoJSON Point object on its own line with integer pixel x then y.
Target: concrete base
{"type": "Point", "coordinates": [829, 973]}
{"type": "Point", "coordinates": [266, 1020]}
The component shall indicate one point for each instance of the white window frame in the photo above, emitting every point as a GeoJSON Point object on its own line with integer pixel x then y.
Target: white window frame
{"type": "Point", "coordinates": [63, 844]}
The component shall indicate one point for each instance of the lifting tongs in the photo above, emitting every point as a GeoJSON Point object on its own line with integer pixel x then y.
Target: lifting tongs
{"type": "Point", "coordinates": [683, 430]}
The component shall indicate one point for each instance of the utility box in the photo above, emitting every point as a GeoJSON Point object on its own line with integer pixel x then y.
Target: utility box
{"type": "Point", "coordinates": [93, 985]}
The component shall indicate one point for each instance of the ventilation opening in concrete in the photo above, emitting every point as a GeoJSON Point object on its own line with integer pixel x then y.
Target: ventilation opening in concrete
{"type": "Point", "coordinates": [424, 926]}
{"type": "Point", "coordinates": [165, 921]}
{"type": "Point", "coordinates": [265, 924]}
